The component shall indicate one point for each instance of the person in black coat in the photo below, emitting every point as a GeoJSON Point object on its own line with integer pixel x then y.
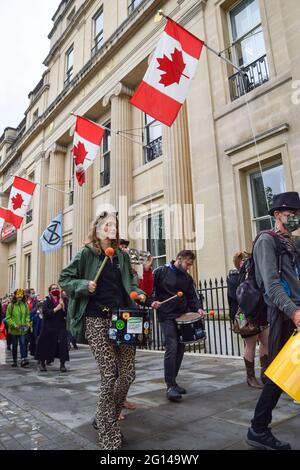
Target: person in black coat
{"type": "Point", "coordinates": [168, 280]}
{"type": "Point", "coordinates": [53, 340]}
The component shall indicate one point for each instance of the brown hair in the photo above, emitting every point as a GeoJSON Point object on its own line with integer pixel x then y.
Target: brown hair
{"type": "Point", "coordinates": [92, 236]}
{"type": "Point", "coordinates": [186, 254]}
{"type": "Point", "coordinates": [238, 257]}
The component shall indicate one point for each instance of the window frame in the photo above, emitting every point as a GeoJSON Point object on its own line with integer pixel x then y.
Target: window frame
{"type": "Point", "coordinates": [69, 70]}
{"type": "Point", "coordinates": [28, 270]}
{"type": "Point", "coordinates": [97, 39]}
{"type": "Point", "coordinates": [255, 220]}
{"type": "Point", "coordinates": [148, 219]}
{"type": "Point", "coordinates": [105, 158]}
{"type": "Point", "coordinates": [151, 153]}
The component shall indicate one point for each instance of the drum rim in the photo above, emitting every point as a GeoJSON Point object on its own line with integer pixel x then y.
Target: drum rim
{"type": "Point", "coordinates": [185, 322]}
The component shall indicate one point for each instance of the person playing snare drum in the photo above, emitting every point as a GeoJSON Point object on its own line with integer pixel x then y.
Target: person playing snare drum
{"type": "Point", "coordinates": [168, 281]}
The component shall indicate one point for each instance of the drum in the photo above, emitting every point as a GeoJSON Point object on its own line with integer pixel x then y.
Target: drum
{"type": "Point", "coordinates": [130, 326]}
{"type": "Point", "coordinates": [190, 328]}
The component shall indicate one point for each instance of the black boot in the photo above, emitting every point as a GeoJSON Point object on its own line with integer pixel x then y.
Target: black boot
{"type": "Point", "coordinates": [62, 367]}
{"type": "Point", "coordinates": [42, 367]}
{"type": "Point", "coordinates": [251, 379]}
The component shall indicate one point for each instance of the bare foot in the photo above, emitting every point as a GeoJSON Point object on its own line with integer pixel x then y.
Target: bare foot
{"type": "Point", "coordinates": [129, 405]}
{"type": "Point", "coordinates": [121, 417]}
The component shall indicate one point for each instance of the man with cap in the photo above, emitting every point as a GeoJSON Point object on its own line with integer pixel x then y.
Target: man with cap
{"type": "Point", "coordinates": [282, 296]}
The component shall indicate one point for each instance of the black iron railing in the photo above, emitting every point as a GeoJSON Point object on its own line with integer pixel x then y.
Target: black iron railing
{"type": "Point", "coordinates": [132, 6]}
{"type": "Point", "coordinates": [220, 339]}
{"type": "Point", "coordinates": [254, 75]}
{"type": "Point", "coordinates": [153, 150]}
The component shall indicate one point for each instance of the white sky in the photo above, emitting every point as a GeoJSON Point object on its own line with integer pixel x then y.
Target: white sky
{"type": "Point", "coordinates": [24, 44]}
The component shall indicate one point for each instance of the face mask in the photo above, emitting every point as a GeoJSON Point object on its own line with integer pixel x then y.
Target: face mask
{"type": "Point", "coordinates": [55, 292]}
{"type": "Point", "coordinates": [292, 223]}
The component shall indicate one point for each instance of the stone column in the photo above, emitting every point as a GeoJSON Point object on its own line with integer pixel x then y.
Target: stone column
{"type": "Point", "coordinates": [55, 203]}
{"type": "Point", "coordinates": [82, 212]}
{"type": "Point", "coordinates": [121, 154]}
{"type": "Point", "coordinates": [178, 194]}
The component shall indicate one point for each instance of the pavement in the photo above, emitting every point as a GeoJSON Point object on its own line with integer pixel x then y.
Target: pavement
{"type": "Point", "coordinates": [54, 410]}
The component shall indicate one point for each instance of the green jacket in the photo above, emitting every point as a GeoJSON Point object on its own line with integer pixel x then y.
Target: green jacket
{"type": "Point", "coordinates": [17, 314]}
{"type": "Point", "coordinates": [74, 281]}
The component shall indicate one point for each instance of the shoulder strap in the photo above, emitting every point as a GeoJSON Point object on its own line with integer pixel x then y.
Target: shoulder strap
{"type": "Point", "coordinates": [280, 249]}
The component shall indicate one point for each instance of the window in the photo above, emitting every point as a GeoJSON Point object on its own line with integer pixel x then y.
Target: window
{"type": "Point", "coordinates": [35, 116]}
{"type": "Point", "coordinates": [71, 180]}
{"type": "Point", "coordinates": [29, 212]}
{"type": "Point", "coordinates": [156, 242]}
{"type": "Point", "coordinates": [71, 15]}
{"type": "Point", "coordinates": [273, 181]}
{"type": "Point", "coordinates": [27, 270]}
{"type": "Point", "coordinates": [153, 138]}
{"type": "Point", "coordinates": [69, 65]}
{"type": "Point", "coordinates": [132, 5]}
{"type": "Point", "coordinates": [105, 160]}
{"type": "Point", "coordinates": [69, 249]}
{"type": "Point", "coordinates": [12, 277]}
{"type": "Point", "coordinates": [248, 47]}
{"type": "Point", "coordinates": [98, 32]}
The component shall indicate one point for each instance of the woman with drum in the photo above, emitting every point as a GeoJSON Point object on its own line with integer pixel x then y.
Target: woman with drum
{"type": "Point", "coordinates": [92, 299]}
{"type": "Point", "coordinates": [170, 280]}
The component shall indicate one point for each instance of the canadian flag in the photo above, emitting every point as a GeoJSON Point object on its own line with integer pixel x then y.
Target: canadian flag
{"type": "Point", "coordinates": [168, 78]}
{"type": "Point", "coordinates": [87, 139]}
{"type": "Point", "coordinates": [19, 200]}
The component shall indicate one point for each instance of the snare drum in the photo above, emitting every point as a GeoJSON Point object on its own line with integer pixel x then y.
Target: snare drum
{"type": "Point", "coordinates": [190, 328]}
{"type": "Point", "coordinates": [130, 326]}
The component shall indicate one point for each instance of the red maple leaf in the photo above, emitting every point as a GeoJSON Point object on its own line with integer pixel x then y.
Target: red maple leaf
{"type": "Point", "coordinates": [17, 201]}
{"type": "Point", "coordinates": [79, 153]}
{"type": "Point", "coordinates": [173, 68]}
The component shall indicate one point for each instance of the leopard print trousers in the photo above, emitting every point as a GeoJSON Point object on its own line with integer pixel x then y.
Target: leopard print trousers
{"type": "Point", "coordinates": [117, 372]}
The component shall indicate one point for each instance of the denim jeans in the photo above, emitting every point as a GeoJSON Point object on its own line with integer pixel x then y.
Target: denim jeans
{"type": "Point", "coordinates": [23, 348]}
{"type": "Point", "coordinates": [174, 351]}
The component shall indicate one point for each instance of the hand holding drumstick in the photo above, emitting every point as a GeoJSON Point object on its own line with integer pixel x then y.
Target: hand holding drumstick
{"type": "Point", "coordinates": [92, 285]}
{"type": "Point", "coordinates": [156, 304]}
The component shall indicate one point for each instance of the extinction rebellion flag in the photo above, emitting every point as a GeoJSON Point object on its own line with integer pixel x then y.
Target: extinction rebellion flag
{"type": "Point", "coordinates": [165, 86]}
{"type": "Point", "coordinates": [87, 139]}
{"type": "Point", "coordinates": [51, 238]}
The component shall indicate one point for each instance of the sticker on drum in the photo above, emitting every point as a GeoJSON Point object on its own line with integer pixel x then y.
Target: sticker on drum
{"type": "Point", "coordinates": [135, 325]}
{"type": "Point", "coordinates": [146, 331]}
{"type": "Point", "coordinates": [127, 337]}
{"type": "Point", "coordinates": [114, 317]}
{"type": "Point", "coordinates": [140, 338]}
{"type": "Point", "coordinates": [146, 324]}
{"type": "Point", "coordinates": [120, 325]}
{"type": "Point", "coordinates": [126, 315]}
{"type": "Point", "coordinates": [112, 333]}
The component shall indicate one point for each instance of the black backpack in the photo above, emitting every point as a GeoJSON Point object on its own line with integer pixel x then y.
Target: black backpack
{"type": "Point", "coordinates": [249, 295]}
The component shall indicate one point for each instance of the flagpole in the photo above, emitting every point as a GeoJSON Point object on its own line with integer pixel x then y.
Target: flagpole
{"type": "Point", "coordinates": [161, 13]}
{"type": "Point", "coordinates": [243, 74]}
{"type": "Point", "coordinates": [110, 130]}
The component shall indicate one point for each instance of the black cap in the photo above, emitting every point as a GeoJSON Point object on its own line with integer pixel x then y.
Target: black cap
{"type": "Point", "coordinates": [123, 242]}
{"type": "Point", "coordinates": [285, 201]}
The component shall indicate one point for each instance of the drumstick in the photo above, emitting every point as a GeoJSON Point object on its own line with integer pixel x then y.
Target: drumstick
{"type": "Point", "coordinates": [179, 294]}
{"type": "Point", "coordinates": [109, 252]}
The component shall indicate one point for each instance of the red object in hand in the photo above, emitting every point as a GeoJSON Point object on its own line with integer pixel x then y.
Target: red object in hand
{"type": "Point", "coordinates": [134, 295]}
{"type": "Point", "coordinates": [179, 293]}
{"type": "Point", "coordinates": [109, 252]}
{"type": "Point", "coordinates": [212, 313]}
